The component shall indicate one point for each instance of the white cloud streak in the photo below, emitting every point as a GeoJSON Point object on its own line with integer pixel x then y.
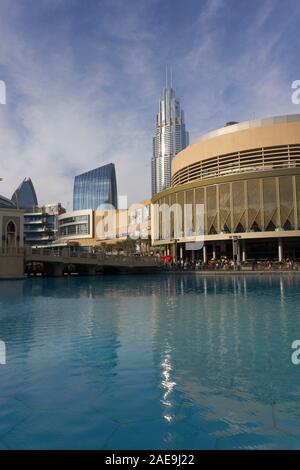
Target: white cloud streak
{"type": "Point", "coordinates": [69, 111]}
{"type": "Point", "coordinates": [58, 121]}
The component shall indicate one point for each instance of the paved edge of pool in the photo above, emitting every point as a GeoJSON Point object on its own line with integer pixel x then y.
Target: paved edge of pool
{"type": "Point", "coordinates": [234, 273]}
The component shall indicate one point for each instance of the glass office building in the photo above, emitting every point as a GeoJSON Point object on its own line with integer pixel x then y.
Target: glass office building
{"type": "Point", "coordinates": [95, 188]}
{"type": "Point", "coordinates": [25, 196]}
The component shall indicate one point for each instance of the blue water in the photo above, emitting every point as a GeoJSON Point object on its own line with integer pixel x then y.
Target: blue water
{"type": "Point", "coordinates": [150, 362]}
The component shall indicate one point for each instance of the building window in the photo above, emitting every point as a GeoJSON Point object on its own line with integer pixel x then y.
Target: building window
{"type": "Point", "coordinates": [11, 234]}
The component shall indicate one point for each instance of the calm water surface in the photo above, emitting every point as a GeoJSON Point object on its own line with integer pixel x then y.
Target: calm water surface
{"type": "Point", "coordinates": [150, 362]}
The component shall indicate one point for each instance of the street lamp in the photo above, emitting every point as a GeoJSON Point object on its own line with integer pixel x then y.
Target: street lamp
{"type": "Point", "coordinates": [235, 243]}
{"type": "Point", "coordinates": [176, 242]}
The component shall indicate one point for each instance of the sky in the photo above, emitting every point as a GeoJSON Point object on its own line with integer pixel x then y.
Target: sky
{"type": "Point", "coordinates": [84, 78]}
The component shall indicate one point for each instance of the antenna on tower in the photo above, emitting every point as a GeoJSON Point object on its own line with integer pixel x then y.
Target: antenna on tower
{"type": "Point", "coordinates": [166, 75]}
{"type": "Point", "coordinates": [171, 76]}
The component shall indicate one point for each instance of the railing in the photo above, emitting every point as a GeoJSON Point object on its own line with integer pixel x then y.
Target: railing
{"type": "Point", "coordinates": [69, 252]}
{"type": "Point", "coordinates": [288, 266]}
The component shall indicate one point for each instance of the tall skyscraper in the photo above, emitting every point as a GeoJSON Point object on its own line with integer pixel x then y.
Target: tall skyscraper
{"type": "Point", "coordinates": [95, 188]}
{"type": "Point", "coordinates": [170, 137]}
{"type": "Point", "coordinates": [24, 196]}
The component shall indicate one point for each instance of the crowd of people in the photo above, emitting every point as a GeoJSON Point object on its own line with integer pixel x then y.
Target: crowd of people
{"type": "Point", "coordinates": [227, 264]}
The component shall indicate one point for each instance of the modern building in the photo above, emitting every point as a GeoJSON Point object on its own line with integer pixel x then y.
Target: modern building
{"type": "Point", "coordinates": [95, 188]}
{"type": "Point", "coordinates": [77, 226]}
{"type": "Point", "coordinates": [41, 224]}
{"type": "Point", "coordinates": [25, 195]}
{"type": "Point", "coordinates": [247, 178]}
{"type": "Point", "coordinates": [11, 240]}
{"type": "Point", "coordinates": [89, 228]}
{"type": "Point", "coordinates": [170, 138]}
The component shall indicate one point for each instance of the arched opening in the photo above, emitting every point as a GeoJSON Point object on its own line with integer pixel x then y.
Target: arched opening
{"type": "Point", "coordinates": [11, 235]}
{"type": "Point", "coordinates": [240, 228]}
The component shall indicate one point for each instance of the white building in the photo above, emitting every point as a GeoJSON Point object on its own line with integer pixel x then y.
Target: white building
{"type": "Point", "coordinates": [170, 138]}
{"type": "Point", "coordinates": [41, 224]}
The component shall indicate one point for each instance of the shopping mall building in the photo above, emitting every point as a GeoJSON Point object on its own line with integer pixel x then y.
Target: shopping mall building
{"type": "Point", "coordinates": [89, 228]}
{"type": "Point", "coordinates": [246, 176]}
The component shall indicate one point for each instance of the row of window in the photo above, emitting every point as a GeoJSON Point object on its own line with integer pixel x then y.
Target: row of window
{"type": "Point", "coordinates": [76, 229]}
{"type": "Point", "coordinates": [267, 158]}
{"type": "Point", "coordinates": [75, 219]}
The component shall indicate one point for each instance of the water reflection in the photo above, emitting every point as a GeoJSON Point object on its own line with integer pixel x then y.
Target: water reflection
{"type": "Point", "coordinates": [172, 350]}
{"type": "Point", "coordinates": [228, 341]}
{"type": "Point", "coordinates": [167, 285]}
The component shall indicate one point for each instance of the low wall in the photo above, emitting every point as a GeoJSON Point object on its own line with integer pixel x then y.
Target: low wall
{"type": "Point", "coordinates": [11, 266]}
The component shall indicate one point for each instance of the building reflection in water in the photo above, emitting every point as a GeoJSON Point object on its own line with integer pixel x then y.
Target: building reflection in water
{"type": "Point", "coordinates": [211, 342]}
{"type": "Point", "coordinates": [59, 326]}
{"type": "Point", "coordinates": [224, 337]}
{"type": "Point", "coordinates": [167, 383]}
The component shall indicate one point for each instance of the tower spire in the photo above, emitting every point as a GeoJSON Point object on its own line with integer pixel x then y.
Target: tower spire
{"type": "Point", "coordinates": [170, 135]}
{"type": "Point", "coordinates": [169, 76]}
{"type": "Point", "coordinates": [166, 75]}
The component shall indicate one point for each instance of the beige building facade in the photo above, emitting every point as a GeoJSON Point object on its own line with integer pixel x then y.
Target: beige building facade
{"type": "Point", "coordinates": [90, 228]}
{"type": "Point", "coordinates": [247, 179]}
{"type": "Point", "coordinates": [11, 240]}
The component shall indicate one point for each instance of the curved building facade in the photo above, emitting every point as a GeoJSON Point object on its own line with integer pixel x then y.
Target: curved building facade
{"type": "Point", "coordinates": [6, 203]}
{"type": "Point", "coordinates": [247, 177]}
{"type": "Point", "coordinates": [95, 188]}
{"type": "Point", "coordinates": [25, 195]}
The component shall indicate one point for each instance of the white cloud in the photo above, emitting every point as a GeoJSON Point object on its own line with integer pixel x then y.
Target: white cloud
{"type": "Point", "coordinates": [242, 80]}
{"type": "Point", "coordinates": [59, 121]}
{"type": "Point", "coordinates": [71, 110]}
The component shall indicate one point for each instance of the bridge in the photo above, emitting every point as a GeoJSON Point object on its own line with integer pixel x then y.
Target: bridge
{"type": "Point", "coordinates": [52, 261]}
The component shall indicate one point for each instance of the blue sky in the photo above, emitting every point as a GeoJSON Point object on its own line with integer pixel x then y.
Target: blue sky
{"type": "Point", "coordinates": [84, 79]}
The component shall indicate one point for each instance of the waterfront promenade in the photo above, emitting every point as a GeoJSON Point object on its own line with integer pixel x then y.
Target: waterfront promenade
{"type": "Point", "coordinates": [54, 261]}
{"type": "Point", "coordinates": [57, 262]}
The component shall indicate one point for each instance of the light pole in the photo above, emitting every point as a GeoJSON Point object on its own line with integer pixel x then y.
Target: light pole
{"type": "Point", "coordinates": [175, 241]}
{"type": "Point", "coordinates": [235, 245]}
